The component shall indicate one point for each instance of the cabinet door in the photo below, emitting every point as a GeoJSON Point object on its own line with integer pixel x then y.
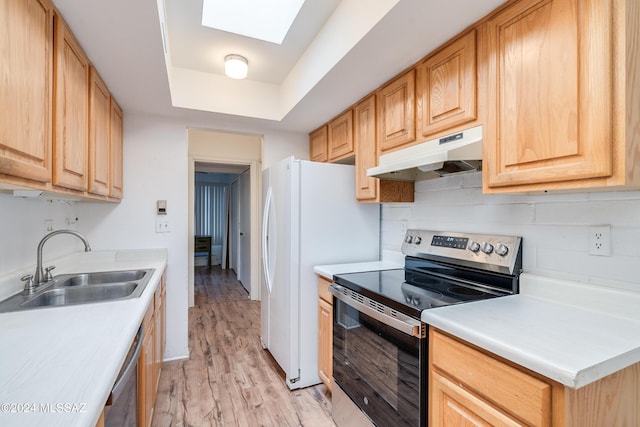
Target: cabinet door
{"type": "Point", "coordinates": [396, 113]}
{"type": "Point", "coordinates": [446, 87]}
{"type": "Point", "coordinates": [71, 121]}
{"type": "Point", "coordinates": [117, 183]}
{"type": "Point", "coordinates": [325, 342]}
{"type": "Point", "coordinates": [549, 93]}
{"type": "Point", "coordinates": [485, 385]}
{"type": "Point", "coordinates": [99, 136]}
{"type": "Point", "coordinates": [157, 351]}
{"type": "Point", "coordinates": [364, 120]}
{"type": "Point", "coordinates": [318, 150]}
{"type": "Point", "coordinates": [158, 339]}
{"type": "Point", "coordinates": [370, 189]}
{"type": "Point", "coordinates": [146, 392]}
{"type": "Point", "coordinates": [340, 136]}
{"type": "Point", "coordinates": [452, 405]}
{"type": "Point", "coordinates": [26, 66]}
{"type": "Point", "coordinates": [163, 324]}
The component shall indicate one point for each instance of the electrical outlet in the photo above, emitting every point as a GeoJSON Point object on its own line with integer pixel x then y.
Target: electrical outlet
{"type": "Point", "coordinates": [403, 227]}
{"type": "Point", "coordinates": [600, 240]}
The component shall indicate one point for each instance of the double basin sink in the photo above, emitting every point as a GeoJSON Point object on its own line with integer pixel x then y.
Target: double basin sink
{"type": "Point", "coordinates": [81, 288]}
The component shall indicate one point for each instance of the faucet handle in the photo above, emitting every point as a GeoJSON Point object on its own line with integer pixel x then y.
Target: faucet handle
{"type": "Point", "coordinates": [48, 276]}
{"type": "Point", "coordinates": [29, 286]}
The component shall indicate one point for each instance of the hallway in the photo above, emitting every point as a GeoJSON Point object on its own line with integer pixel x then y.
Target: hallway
{"type": "Point", "coordinates": [229, 379]}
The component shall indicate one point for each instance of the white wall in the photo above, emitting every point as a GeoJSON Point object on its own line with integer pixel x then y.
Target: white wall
{"type": "Point", "coordinates": [279, 145]}
{"type": "Point", "coordinates": [155, 168]}
{"type": "Point", "coordinates": [554, 227]}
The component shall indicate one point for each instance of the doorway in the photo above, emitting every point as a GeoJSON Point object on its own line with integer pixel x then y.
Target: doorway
{"type": "Point", "coordinates": [240, 155]}
{"type": "Point", "coordinates": [222, 207]}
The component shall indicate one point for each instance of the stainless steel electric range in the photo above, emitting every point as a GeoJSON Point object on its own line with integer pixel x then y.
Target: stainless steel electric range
{"type": "Point", "coordinates": [379, 343]}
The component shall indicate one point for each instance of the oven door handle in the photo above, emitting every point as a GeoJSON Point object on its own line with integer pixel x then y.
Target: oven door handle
{"type": "Point", "coordinates": [404, 324]}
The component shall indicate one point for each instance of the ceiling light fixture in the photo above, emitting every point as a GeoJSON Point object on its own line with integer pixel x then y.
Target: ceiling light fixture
{"type": "Point", "coordinates": [236, 66]}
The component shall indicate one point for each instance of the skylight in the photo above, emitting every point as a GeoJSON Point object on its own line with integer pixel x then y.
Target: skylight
{"type": "Point", "coordinates": [267, 20]}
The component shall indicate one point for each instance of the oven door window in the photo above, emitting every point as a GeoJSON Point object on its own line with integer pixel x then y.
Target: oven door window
{"type": "Point", "coordinates": [379, 368]}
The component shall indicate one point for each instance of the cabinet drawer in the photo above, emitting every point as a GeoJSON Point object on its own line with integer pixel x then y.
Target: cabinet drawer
{"type": "Point", "coordinates": [323, 289]}
{"type": "Point", "coordinates": [202, 244]}
{"type": "Point", "coordinates": [504, 386]}
{"type": "Point", "coordinates": [201, 247]}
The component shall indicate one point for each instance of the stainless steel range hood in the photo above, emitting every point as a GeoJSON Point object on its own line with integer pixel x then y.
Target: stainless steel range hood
{"type": "Point", "coordinates": [457, 153]}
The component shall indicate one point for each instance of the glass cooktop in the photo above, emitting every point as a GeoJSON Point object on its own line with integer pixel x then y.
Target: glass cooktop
{"type": "Point", "coordinates": [391, 288]}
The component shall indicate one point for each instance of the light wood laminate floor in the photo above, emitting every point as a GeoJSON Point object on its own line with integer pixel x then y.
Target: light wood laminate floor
{"type": "Point", "coordinates": [229, 379]}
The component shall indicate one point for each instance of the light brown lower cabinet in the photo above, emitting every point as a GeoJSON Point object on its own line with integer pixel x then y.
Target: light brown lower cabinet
{"type": "Point", "coordinates": [325, 331]}
{"type": "Point", "coordinates": [150, 361]}
{"type": "Point", "coordinates": [100, 422]}
{"type": "Point", "coordinates": [471, 387]}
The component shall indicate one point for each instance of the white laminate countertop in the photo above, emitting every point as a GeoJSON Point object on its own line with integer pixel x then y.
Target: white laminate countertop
{"type": "Point", "coordinates": [57, 365]}
{"type": "Point", "coordinates": [570, 332]}
{"type": "Point", "coordinates": [328, 271]}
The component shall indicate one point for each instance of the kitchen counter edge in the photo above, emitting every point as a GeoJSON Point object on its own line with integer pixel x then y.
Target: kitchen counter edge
{"type": "Point", "coordinates": [329, 270]}
{"type": "Point", "coordinates": [572, 339]}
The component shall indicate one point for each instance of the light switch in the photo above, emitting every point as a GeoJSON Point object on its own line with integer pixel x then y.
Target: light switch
{"type": "Point", "coordinates": [162, 225]}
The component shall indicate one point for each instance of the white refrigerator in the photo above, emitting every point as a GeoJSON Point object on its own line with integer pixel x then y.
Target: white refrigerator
{"type": "Point", "coordinates": [311, 217]}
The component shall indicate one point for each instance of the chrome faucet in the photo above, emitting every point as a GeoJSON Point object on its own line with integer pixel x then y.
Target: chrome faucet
{"type": "Point", "coordinates": [40, 276]}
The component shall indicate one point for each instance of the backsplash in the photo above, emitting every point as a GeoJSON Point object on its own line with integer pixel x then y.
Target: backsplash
{"type": "Point", "coordinates": [554, 227]}
{"type": "Point", "coordinates": [23, 225]}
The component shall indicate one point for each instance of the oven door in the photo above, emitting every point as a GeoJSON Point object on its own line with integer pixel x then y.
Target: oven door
{"type": "Point", "coordinates": [379, 360]}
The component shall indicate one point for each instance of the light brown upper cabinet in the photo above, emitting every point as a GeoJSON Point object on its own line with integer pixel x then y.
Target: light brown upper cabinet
{"type": "Point", "coordinates": [71, 106]}
{"type": "Point", "coordinates": [117, 184]}
{"type": "Point", "coordinates": [26, 66]}
{"type": "Point", "coordinates": [370, 189]}
{"type": "Point", "coordinates": [396, 113]}
{"type": "Point", "coordinates": [364, 117]}
{"type": "Point", "coordinates": [318, 145]}
{"type": "Point", "coordinates": [99, 135]}
{"type": "Point", "coordinates": [446, 87]}
{"type": "Point", "coordinates": [340, 136]}
{"type": "Point", "coordinates": [563, 95]}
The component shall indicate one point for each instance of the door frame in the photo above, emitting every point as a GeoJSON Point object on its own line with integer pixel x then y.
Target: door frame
{"type": "Point", "coordinates": [255, 177]}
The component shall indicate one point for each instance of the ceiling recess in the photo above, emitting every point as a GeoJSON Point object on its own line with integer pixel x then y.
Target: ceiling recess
{"type": "Point", "coordinates": [267, 20]}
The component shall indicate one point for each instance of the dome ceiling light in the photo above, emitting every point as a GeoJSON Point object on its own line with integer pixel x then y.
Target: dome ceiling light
{"type": "Point", "coordinates": [236, 66]}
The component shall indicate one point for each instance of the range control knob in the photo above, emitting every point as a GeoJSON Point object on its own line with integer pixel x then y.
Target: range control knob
{"type": "Point", "coordinates": [487, 248]}
{"type": "Point", "coordinates": [474, 246]}
{"type": "Point", "coordinates": [417, 240]}
{"type": "Point", "coordinates": [408, 239]}
{"type": "Point", "coordinates": [501, 249]}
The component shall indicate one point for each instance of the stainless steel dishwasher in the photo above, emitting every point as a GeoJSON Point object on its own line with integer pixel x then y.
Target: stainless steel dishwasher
{"type": "Point", "coordinates": [121, 409]}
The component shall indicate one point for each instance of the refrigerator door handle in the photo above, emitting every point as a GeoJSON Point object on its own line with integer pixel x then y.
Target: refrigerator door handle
{"type": "Point", "coordinates": [265, 238]}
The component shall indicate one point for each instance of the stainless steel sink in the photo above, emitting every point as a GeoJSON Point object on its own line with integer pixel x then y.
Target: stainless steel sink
{"type": "Point", "coordinates": [86, 279]}
{"type": "Point", "coordinates": [82, 288]}
{"type": "Point", "coordinates": [68, 296]}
